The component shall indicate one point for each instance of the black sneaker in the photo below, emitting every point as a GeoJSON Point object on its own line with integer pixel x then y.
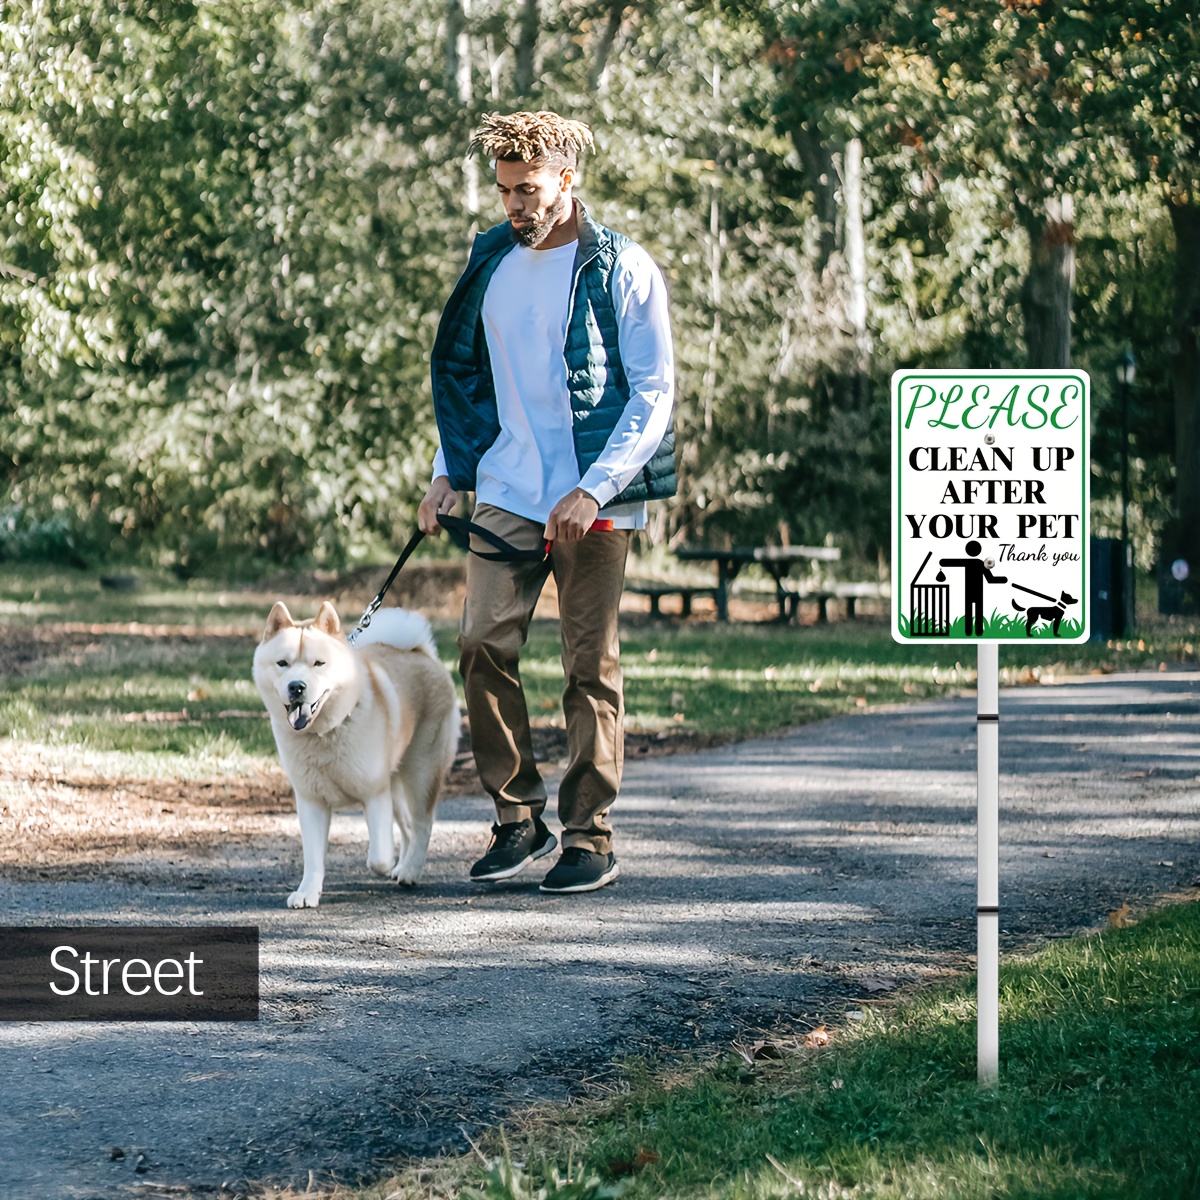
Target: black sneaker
{"type": "Point", "coordinates": [513, 847]}
{"type": "Point", "coordinates": [581, 870]}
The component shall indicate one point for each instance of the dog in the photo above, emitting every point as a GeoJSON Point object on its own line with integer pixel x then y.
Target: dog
{"type": "Point", "coordinates": [374, 724]}
{"type": "Point", "coordinates": [1053, 614]}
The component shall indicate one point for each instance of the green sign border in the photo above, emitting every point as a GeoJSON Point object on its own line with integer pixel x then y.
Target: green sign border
{"type": "Point", "coordinates": [899, 378]}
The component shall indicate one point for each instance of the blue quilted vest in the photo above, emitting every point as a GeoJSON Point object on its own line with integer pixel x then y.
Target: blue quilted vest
{"type": "Point", "coordinates": [464, 394]}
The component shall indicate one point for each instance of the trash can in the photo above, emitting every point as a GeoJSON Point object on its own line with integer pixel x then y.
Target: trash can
{"type": "Point", "coordinates": [1108, 589]}
{"type": "Point", "coordinates": [929, 604]}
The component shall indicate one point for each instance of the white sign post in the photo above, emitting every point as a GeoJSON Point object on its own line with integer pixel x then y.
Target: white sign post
{"type": "Point", "coordinates": [990, 489]}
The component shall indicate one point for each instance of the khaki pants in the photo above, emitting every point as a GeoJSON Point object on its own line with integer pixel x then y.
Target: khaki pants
{"type": "Point", "coordinates": [501, 596]}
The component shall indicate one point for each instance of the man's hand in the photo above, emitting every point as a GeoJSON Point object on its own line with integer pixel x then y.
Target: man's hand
{"type": "Point", "coordinates": [571, 517]}
{"type": "Point", "coordinates": [440, 498]}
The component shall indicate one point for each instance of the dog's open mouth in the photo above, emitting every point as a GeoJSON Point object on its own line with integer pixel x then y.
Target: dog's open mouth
{"type": "Point", "coordinates": [301, 715]}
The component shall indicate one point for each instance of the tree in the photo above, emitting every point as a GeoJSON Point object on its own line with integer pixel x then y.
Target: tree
{"type": "Point", "coordinates": [1143, 87]}
{"type": "Point", "coordinates": [220, 272]}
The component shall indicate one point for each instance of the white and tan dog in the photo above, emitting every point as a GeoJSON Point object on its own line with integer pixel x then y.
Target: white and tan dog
{"type": "Point", "coordinates": [374, 724]}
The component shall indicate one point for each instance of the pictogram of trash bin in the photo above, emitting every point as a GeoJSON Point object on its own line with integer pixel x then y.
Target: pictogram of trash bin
{"type": "Point", "coordinates": [929, 606]}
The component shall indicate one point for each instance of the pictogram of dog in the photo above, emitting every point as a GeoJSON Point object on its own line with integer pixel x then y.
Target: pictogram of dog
{"type": "Point", "coordinates": [1052, 613]}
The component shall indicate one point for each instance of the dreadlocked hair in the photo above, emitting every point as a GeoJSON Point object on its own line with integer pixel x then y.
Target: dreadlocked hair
{"type": "Point", "coordinates": [532, 137]}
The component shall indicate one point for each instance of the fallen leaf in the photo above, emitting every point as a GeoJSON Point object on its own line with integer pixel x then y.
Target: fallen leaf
{"type": "Point", "coordinates": [1119, 918]}
{"type": "Point", "coordinates": [762, 1050]}
{"type": "Point", "coordinates": [818, 1037]}
{"type": "Point", "coordinates": [880, 985]}
{"type": "Point", "coordinates": [624, 1166]}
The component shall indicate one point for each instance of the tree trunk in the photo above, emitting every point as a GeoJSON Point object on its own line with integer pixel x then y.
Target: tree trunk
{"type": "Point", "coordinates": [1046, 295]}
{"type": "Point", "coordinates": [855, 253]}
{"type": "Point", "coordinates": [616, 14]}
{"type": "Point", "coordinates": [716, 253]}
{"type": "Point", "coordinates": [820, 178]}
{"type": "Point", "coordinates": [716, 249]}
{"type": "Point", "coordinates": [456, 29]}
{"type": "Point", "coordinates": [459, 84]}
{"type": "Point", "coordinates": [526, 49]}
{"type": "Point", "coordinates": [1185, 379]}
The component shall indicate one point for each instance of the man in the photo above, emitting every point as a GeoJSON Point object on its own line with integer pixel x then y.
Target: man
{"type": "Point", "coordinates": [553, 387]}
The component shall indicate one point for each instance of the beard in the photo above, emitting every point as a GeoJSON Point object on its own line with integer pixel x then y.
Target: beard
{"type": "Point", "coordinates": [536, 232]}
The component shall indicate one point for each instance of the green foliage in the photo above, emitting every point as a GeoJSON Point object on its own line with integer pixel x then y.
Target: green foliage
{"type": "Point", "coordinates": [227, 230]}
{"type": "Point", "coordinates": [220, 274]}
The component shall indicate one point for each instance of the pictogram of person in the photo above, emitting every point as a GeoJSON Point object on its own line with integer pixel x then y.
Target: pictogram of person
{"type": "Point", "coordinates": [975, 571]}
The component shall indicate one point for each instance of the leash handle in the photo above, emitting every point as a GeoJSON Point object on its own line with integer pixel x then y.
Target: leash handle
{"type": "Point", "coordinates": [460, 530]}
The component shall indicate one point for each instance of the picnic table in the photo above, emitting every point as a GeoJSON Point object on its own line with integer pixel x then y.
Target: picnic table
{"type": "Point", "coordinates": [777, 561]}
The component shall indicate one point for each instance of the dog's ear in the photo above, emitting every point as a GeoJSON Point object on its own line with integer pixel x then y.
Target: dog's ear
{"type": "Point", "coordinates": [327, 620]}
{"type": "Point", "coordinates": [279, 619]}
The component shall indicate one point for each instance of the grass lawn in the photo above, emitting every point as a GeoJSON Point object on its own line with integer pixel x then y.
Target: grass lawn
{"type": "Point", "coordinates": [162, 674]}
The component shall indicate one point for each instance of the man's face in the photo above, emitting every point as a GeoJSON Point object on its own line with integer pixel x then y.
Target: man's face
{"type": "Point", "coordinates": [536, 198]}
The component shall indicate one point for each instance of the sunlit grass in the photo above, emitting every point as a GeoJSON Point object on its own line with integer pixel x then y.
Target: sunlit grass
{"type": "Point", "coordinates": [181, 675]}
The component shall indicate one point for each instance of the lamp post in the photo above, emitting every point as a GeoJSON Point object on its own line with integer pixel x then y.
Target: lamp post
{"type": "Point", "coordinates": [1126, 374]}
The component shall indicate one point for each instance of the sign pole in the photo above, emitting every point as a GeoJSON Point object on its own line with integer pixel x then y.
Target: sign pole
{"type": "Point", "coordinates": [988, 887]}
{"type": "Point", "coordinates": [990, 497]}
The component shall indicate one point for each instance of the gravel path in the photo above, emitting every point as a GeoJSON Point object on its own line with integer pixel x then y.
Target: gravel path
{"type": "Point", "coordinates": [764, 885]}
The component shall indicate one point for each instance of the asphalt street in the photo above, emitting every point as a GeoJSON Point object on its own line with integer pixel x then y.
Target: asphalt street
{"type": "Point", "coordinates": [763, 885]}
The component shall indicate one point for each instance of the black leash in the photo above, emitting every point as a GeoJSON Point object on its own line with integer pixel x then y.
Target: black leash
{"type": "Point", "coordinates": [373, 607]}
{"type": "Point", "coordinates": [460, 530]}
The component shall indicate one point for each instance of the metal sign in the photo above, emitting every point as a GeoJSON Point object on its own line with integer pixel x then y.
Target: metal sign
{"type": "Point", "coordinates": [990, 478]}
{"type": "Point", "coordinates": [989, 545]}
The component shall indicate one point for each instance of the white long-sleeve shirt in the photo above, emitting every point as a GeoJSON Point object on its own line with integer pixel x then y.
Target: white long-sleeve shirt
{"type": "Point", "coordinates": [532, 463]}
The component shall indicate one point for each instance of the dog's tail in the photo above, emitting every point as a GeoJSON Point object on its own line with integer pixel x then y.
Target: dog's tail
{"type": "Point", "coordinates": [1017, 607]}
{"type": "Point", "coordinates": [399, 628]}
